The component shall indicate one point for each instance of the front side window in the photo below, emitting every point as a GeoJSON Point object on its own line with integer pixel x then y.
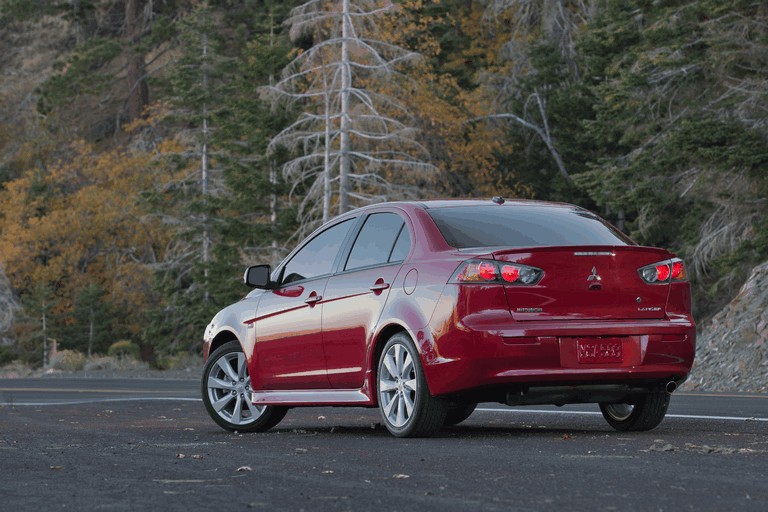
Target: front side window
{"type": "Point", "coordinates": [316, 258]}
{"type": "Point", "coordinates": [376, 240]}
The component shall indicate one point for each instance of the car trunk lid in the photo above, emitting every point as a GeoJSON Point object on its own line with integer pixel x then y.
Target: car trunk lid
{"type": "Point", "coordinates": [586, 282]}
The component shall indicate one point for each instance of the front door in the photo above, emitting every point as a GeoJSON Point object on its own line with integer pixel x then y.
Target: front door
{"type": "Point", "coordinates": [288, 353]}
{"type": "Point", "coordinates": [289, 344]}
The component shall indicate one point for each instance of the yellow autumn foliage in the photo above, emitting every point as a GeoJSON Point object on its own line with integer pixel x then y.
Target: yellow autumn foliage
{"type": "Point", "coordinates": [444, 109]}
{"type": "Point", "coordinates": [81, 221]}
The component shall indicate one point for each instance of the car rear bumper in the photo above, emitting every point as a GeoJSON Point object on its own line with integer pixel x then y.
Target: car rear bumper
{"type": "Point", "coordinates": [467, 358]}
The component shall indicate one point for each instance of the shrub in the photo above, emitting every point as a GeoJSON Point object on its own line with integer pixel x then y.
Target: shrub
{"type": "Point", "coordinates": [124, 348]}
{"type": "Point", "coordinates": [179, 361]}
{"type": "Point", "coordinates": [68, 361]}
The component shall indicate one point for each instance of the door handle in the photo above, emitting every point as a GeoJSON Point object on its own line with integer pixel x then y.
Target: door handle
{"type": "Point", "coordinates": [313, 299]}
{"type": "Point", "coordinates": [379, 286]}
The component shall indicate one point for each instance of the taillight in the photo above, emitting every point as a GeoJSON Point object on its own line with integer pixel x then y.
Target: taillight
{"type": "Point", "coordinates": [678, 270]}
{"type": "Point", "coordinates": [486, 271]}
{"type": "Point", "coordinates": [663, 272]}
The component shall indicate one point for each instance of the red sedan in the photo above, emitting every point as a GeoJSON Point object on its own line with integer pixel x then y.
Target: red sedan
{"type": "Point", "coordinates": [425, 309]}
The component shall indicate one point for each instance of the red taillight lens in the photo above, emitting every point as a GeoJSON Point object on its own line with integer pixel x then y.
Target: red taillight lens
{"type": "Point", "coordinates": [678, 270]}
{"type": "Point", "coordinates": [510, 273]}
{"type": "Point", "coordinates": [485, 271]}
{"type": "Point", "coordinates": [663, 272]}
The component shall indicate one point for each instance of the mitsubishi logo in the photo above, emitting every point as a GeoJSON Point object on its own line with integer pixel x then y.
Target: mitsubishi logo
{"type": "Point", "coordinates": [594, 276]}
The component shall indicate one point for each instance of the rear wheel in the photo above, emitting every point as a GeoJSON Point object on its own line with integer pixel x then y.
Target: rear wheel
{"type": "Point", "coordinates": [226, 389]}
{"type": "Point", "coordinates": [644, 414]}
{"type": "Point", "coordinates": [458, 412]}
{"type": "Point", "coordinates": [407, 408]}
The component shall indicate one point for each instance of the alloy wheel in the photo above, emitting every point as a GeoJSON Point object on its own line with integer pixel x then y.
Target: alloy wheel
{"type": "Point", "coordinates": [229, 390]}
{"type": "Point", "coordinates": [397, 385]}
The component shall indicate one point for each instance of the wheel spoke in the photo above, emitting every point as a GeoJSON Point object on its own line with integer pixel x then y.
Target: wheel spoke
{"type": "Point", "coordinates": [222, 402]}
{"type": "Point", "coordinates": [388, 407]}
{"type": "Point", "coordinates": [400, 359]}
{"type": "Point", "coordinates": [237, 413]}
{"type": "Point", "coordinates": [386, 385]}
{"type": "Point", "coordinates": [225, 365]}
{"type": "Point", "coordinates": [242, 366]}
{"type": "Point", "coordinates": [407, 366]}
{"type": "Point", "coordinates": [400, 411]}
{"type": "Point", "coordinates": [214, 383]}
{"type": "Point", "coordinates": [255, 409]}
{"type": "Point", "coordinates": [410, 384]}
{"type": "Point", "coordinates": [408, 404]}
{"type": "Point", "coordinates": [390, 365]}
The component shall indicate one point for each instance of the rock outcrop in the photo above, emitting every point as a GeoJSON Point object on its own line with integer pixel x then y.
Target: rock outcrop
{"type": "Point", "coordinates": [732, 349]}
{"type": "Point", "coordinates": [8, 307]}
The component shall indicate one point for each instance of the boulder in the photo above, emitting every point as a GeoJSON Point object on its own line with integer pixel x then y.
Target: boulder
{"type": "Point", "coordinates": [8, 308]}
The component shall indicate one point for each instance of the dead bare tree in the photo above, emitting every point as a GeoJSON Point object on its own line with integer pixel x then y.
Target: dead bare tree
{"type": "Point", "coordinates": [541, 130]}
{"type": "Point", "coordinates": [355, 140]}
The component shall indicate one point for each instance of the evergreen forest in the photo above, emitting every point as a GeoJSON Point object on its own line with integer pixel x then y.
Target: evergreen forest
{"type": "Point", "coordinates": [151, 149]}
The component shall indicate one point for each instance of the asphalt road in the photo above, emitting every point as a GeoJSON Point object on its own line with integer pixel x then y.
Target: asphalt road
{"type": "Point", "coordinates": [88, 444]}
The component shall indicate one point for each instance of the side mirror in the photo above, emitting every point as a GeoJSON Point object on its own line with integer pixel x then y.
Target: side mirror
{"type": "Point", "coordinates": [257, 276]}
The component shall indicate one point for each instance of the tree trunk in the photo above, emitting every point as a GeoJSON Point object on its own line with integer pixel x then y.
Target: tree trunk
{"type": "Point", "coordinates": [91, 330]}
{"type": "Point", "coordinates": [204, 178]}
{"type": "Point", "coordinates": [346, 85]}
{"type": "Point", "coordinates": [138, 90]}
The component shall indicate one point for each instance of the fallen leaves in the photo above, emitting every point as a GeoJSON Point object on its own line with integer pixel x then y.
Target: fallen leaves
{"type": "Point", "coordinates": [183, 456]}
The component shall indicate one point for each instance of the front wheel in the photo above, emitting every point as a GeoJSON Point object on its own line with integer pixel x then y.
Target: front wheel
{"type": "Point", "coordinates": [645, 413]}
{"type": "Point", "coordinates": [226, 389]}
{"type": "Point", "coordinates": [405, 403]}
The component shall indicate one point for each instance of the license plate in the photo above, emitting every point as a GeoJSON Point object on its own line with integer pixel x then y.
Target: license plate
{"type": "Point", "coordinates": [599, 351]}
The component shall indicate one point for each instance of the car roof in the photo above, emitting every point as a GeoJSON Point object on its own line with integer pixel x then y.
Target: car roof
{"type": "Point", "coordinates": [454, 203]}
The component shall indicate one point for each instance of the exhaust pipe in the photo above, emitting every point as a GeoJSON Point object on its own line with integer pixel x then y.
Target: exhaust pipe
{"type": "Point", "coordinates": [671, 387]}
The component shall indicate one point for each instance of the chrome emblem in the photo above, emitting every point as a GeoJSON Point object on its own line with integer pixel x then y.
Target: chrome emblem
{"type": "Point", "coordinates": [529, 310]}
{"type": "Point", "coordinates": [594, 276]}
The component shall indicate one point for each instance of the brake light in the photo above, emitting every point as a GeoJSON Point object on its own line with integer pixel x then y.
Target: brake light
{"type": "Point", "coordinates": [488, 272]}
{"type": "Point", "coordinates": [678, 270]}
{"type": "Point", "coordinates": [663, 272]}
{"type": "Point", "coordinates": [510, 273]}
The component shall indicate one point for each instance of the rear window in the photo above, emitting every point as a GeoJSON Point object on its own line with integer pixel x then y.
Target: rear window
{"type": "Point", "coordinates": [523, 226]}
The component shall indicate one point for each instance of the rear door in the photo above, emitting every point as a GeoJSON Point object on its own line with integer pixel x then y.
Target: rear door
{"type": "Point", "coordinates": [354, 298]}
{"type": "Point", "coordinates": [590, 283]}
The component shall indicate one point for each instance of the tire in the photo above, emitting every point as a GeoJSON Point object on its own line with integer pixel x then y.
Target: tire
{"type": "Point", "coordinates": [226, 387]}
{"type": "Point", "coordinates": [406, 406]}
{"type": "Point", "coordinates": [458, 412]}
{"type": "Point", "coordinates": [645, 414]}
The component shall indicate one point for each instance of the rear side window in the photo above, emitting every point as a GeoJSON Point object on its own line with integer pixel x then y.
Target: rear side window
{"type": "Point", "coordinates": [523, 226]}
{"type": "Point", "coordinates": [402, 245]}
{"type": "Point", "coordinates": [377, 239]}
